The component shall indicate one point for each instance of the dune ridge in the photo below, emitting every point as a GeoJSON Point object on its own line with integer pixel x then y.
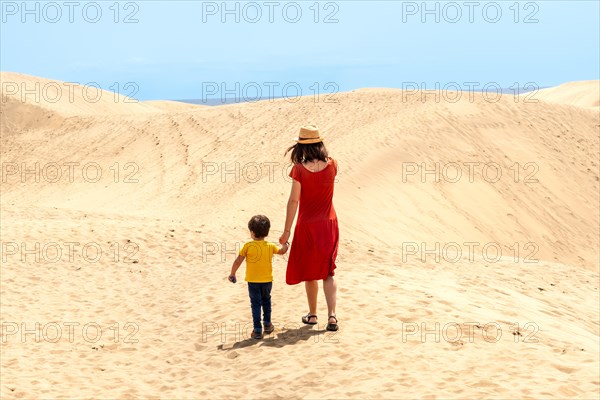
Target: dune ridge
{"type": "Point", "coordinates": [580, 94]}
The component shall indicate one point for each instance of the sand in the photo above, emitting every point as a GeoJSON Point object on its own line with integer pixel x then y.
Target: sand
{"type": "Point", "coordinates": [178, 184]}
{"type": "Point", "coordinates": [584, 94]}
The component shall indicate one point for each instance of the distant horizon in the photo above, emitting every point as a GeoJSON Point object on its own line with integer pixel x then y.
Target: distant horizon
{"type": "Point", "coordinates": [466, 86]}
{"type": "Point", "coordinates": [450, 87]}
{"type": "Point", "coordinates": [217, 102]}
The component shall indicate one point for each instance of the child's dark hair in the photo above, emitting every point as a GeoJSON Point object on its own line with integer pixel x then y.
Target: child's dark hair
{"type": "Point", "coordinates": [307, 152]}
{"type": "Point", "coordinates": [259, 225]}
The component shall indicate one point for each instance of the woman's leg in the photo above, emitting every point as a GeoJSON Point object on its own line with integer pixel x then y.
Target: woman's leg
{"type": "Point", "coordinates": [312, 290]}
{"type": "Point", "coordinates": [330, 289]}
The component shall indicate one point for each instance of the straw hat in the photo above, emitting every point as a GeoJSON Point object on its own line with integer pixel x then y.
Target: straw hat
{"type": "Point", "coordinates": [309, 134]}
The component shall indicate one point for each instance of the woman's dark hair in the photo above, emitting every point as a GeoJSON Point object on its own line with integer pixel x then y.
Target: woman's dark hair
{"type": "Point", "coordinates": [307, 152]}
{"type": "Point", "coordinates": [260, 225]}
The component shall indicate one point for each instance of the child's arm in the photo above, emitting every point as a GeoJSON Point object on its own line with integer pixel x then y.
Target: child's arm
{"type": "Point", "coordinates": [236, 265]}
{"type": "Point", "coordinates": [284, 248]}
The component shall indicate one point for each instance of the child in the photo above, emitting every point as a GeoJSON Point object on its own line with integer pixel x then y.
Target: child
{"type": "Point", "coordinates": [259, 272]}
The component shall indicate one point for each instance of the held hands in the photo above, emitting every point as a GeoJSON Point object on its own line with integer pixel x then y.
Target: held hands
{"type": "Point", "coordinates": [284, 237]}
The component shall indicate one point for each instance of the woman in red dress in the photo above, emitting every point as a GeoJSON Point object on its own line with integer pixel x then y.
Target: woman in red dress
{"type": "Point", "coordinates": [316, 236]}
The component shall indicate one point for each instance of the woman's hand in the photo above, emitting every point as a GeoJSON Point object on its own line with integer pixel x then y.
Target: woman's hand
{"type": "Point", "coordinates": [284, 237]}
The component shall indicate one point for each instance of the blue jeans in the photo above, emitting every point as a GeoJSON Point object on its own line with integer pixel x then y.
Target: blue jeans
{"type": "Point", "coordinates": [260, 296]}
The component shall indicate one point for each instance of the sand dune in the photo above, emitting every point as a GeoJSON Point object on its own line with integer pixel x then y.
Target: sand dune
{"type": "Point", "coordinates": [67, 98]}
{"type": "Point", "coordinates": [580, 94]}
{"type": "Point", "coordinates": [178, 184]}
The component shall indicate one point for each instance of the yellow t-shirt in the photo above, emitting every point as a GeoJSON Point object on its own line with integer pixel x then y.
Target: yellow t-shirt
{"type": "Point", "coordinates": [259, 255]}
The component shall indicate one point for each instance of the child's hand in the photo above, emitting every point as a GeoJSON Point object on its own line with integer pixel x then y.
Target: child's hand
{"type": "Point", "coordinates": [232, 279]}
{"type": "Point", "coordinates": [284, 248]}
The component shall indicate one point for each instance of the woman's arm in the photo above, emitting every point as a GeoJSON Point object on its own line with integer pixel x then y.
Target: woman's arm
{"type": "Point", "coordinates": [292, 207]}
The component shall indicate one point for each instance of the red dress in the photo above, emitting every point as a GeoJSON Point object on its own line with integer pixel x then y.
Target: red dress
{"type": "Point", "coordinates": [316, 236]}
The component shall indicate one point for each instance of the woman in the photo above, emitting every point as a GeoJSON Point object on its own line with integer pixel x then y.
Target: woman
{"type": "Point", "coordinates": [314, 247]}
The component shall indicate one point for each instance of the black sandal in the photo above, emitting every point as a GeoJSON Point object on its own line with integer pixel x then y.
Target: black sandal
{"type": "Point", "coordinates": [332, 327]}
{"type": "Point", "coordinates": [307, 317]}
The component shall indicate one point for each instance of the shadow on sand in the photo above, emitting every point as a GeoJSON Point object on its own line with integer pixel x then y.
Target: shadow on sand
{"type": "Point", "coordinates": [282, 338]}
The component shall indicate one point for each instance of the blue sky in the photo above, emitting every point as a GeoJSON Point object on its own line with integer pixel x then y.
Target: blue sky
{"type": "Point", "coordinates": [178, 49]}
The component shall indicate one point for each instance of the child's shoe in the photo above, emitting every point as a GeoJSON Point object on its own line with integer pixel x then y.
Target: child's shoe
{"type": "Point", "coordinates": [256, 335]}
{"type": "Point", "coordinates": [269, 329]}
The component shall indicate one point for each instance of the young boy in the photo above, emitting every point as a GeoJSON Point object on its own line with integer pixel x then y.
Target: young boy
{"type": "Point", "coordinates": [259, 272]}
